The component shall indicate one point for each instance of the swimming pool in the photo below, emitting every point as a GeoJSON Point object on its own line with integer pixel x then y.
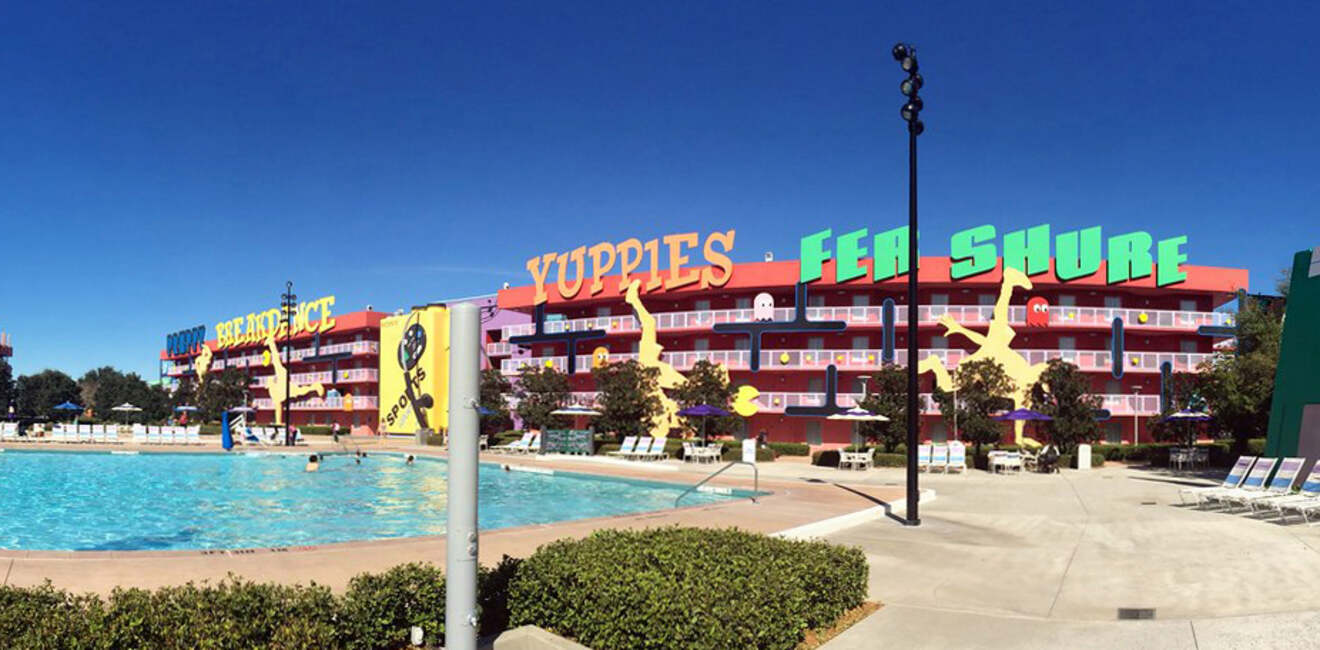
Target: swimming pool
{"type": "Point", "coordinates": [83, 501]}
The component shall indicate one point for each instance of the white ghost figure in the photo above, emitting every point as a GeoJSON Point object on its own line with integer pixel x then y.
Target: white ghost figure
{"type": "Point", "coordinates": [763, 307]}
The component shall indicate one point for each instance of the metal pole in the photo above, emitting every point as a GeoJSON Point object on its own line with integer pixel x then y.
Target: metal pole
{"type": "Point", "coordinates": [913, 496]}
{"type": "Point", "coordinates": [288, 359]}
{"type": "Point", "coordinates": [1136, 400]}
{"type": "Point", "coordinates": [461, 530]}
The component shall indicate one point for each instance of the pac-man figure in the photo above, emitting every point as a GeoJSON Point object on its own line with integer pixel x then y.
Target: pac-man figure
{"type": "Point", "coordinates": [763, 307]}
{"type": "Point", "coordinates": [744, 401]}
{"type": "Point", "coordinates": [600, 357]}
{"type": "Point", "coordinates": [1038, 312]}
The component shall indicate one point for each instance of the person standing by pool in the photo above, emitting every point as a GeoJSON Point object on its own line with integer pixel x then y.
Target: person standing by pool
{"type": "Point", "coordinates": [334, 433]}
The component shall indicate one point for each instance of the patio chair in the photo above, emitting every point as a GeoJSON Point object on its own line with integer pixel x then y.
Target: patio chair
{"type": "Point", "coordinates": [923, 457]}
{"type": "Point", "coordinates": [1299, 502]}
{"type": "Point", "coordinates": [629, 444]}
{"type": "Point", "coordinates": [1254, 482]}
{"type": "Point", "coordinates": [1280, 485]}
{"type": "Point", "coordinates": [1234, 478]}
{"type": "Point", "coordinates": [194, 435]}
{"type": "Point", "coordinates": [516, 445]}
{"type": "Point", "coordinates": [84, 433]}
{"type": "Point", "coordinates": [641, 448]}
{"type": "Point", "coordinates": [1030, 459]}
{"type": "Point", "coordinates": [715, 453]}
{"type": "Point", "coordinates": [153, 435]}
{"type": "Point", "coordinates": [8, 434]}
{"type": "Point", "coordinates": [939, 458]}
{"type": "Point", "coordinates": [860, 460]}
{"type": "Point", "coordinates": [957, 457]}
{"type": "Point", "coordinates": [139, 434]}
{"type": "Point", "coordinates": [1178, 457]}
{"type": "Point", "coordinates": [657, 450]}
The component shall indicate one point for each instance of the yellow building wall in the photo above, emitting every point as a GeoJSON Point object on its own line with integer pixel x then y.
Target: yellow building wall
{"type": "Point", "coordinates": [420, 363]}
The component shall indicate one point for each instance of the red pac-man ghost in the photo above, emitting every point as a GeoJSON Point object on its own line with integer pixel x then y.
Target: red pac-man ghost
{"type": "Point", "coordinates": [1038, 312]}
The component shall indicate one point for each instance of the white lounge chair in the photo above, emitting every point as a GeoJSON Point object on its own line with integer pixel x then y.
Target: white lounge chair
{"type": "Point", "coordinates": [1235, 476]}
{"type": "Point", "coordinates": [1299, 502]}
{"type": "Point", "coordinates": [153, 435]}
{"type": "Point", "coordinates": [1280, 485]}
{"type": "Point", "coordinates": [9, 432]}
{"type": "Point", "coordinates": [939, 458]}
{"type": "Point", "coordinates": [534, 447]}
{"type": "Point", "coordinates": [625, 449]}
{"type": "Point", "coordinates": [923, 457]}
{"type": "Point", "coordinates": [194, 435]}
{"type": "Point", "coordinates": [517, 445]}
{"type": "Point", "coordinates": [1254, 482]}
{"type": "Point", "coordinates": [957, 457]}
{"type": "Point", "coordinates": [139, 434]}
{"type": "Point", "coordinates": [84, 433]}
{"type": "Point", "coordinates": [641, 449]}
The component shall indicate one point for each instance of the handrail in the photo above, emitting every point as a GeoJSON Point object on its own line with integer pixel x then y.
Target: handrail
{"type": "Point", "coordinates": [756, 480]}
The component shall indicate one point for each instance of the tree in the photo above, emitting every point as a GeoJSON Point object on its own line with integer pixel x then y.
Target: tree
{"type": "Point", "coordinates": [494, 387]}
{"type": "Point", "coordinates": [219, 392]}
{"type": "Point", "coordinates": [7, 393]}
{"type": "Point", "coordinates": [1063, 392]}
{"type": "Point", "coordinates": [539, 391]}
{"type": "Point", "coordinates": [1238, 385]}
{"type": "Point", "coordinates": [38, 394]}
{"type": "Point", "coordinates": [887, 396]}
{"type": "Point", "coordinates": [707, 383]}
{"type": "Point", "coordinates": [983, 388]}
{"type": "Point", "coordinates": [627, 398]}
{"type": "Point", "coordinates": [1184, 393]}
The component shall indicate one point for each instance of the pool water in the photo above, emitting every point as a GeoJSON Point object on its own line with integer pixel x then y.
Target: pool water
{"type": "Point", "coordinates": [98, 501]}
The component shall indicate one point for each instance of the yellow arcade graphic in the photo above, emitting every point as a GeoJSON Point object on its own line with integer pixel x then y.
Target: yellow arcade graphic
{"type": "Point", "coordinates": [648, 355]}
{"type": "Point", "coordinates": [744, 401]}
{"type": "Point", "coordinates": [202, 364]}
{"type": "Point", "coordinates": [414, 371]}
{"type": "Point", "coordinates": [281, 377]}
{"type": "Point", "coordinates": [994, 344]}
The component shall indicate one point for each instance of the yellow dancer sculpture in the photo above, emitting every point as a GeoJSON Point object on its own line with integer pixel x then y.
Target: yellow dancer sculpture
{"type": "Point", "coordinates": [281, 377]}
{"type": "Point", "coordinates": [648, 355]}
{"type": "Point", "coordinates": [994, 344]}
{"type": "Point", "coordinates": [202, 364]}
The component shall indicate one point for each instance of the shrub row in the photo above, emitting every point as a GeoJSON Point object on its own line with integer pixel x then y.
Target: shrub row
{"type": "Point", "coordinates": [660, 588]}
{"type": "Point", "coordinates": [790, 448]}
{"type": "Point", "coordinates": [686, 588]}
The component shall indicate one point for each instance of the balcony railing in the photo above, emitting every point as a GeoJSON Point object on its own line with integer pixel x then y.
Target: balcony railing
{"type": "Point", "coordinates": [970, 315]}
{"type": "Point", "coordinates": [1116, 404]}
{"type": "Point", "coordinates": [252, 360]}
{"type": "Point", "coordinates": [360, 403]}
{"type": "Point", "coordinates": [348, 376]}
{"type": "Point", "coordinates": [1087, 360]}
{"type": "Point", "coordinates": [499, 349]}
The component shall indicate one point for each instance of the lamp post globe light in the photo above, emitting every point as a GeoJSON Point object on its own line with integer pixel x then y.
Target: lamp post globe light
{"type": "Point", "coordinates": [906, 56]}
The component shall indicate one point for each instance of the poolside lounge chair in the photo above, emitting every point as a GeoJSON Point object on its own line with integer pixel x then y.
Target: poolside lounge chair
{"type": "Point", "coordinates": [9, 432]}
{"type": "Point", "coordinates": [153, 435]}
{"type": "Point", "coordinates": [139, 434]}
{"type": "Point", "coordinates": [641, 448]}
{"type": "Point", "coordinates": [923, 457]}
{"type": "Point", "coordinates": [517, 445]}
{"type": "Point", "coordinates": [84, 433]}
{"type": "Point", "coordinates": [1299, 502]}
{"type": "Point", "coordinates": [657, 451]}
{"type": "Point", "coordinates": [939, 458]}
{"type": "Point", "coordinates": [194, 436]}
{"type": "Point", "coordinates": [957, 457]}
{"type": "Point", "coordinates": [1255, 482]}
{"type": "Point", "coordinates": [1280, 485]}
{"type": "Point", "coordinates": [1234, 478]}
{"type": "Point", "coordinates": [534, 447]}
{"type": "Point", "coordinates": [629, 444]}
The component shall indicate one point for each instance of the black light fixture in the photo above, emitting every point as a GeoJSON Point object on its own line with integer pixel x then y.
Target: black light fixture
{"type": "Point", "coordinates": [906, 56]}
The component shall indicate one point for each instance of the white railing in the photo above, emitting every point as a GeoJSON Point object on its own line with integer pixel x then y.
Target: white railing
{"type": "Point", "coordinates": [1117, 404]}
{"type": "Point", "coordinates": [1086, 360]}
{"type": "Point", "coordinates": [253, 360]}
{"type": "Point", "coordinates": [348, 376]}
{"type": "Point", "coordinates": [499, 349]}
{"type": "Point", "coordinates": [872, 316]}
{"type": "Point", "coordinates": [360, 402]}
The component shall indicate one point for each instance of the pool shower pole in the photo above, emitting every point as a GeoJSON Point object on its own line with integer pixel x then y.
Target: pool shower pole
{"type": "Point", "coordinates": [461, 529]}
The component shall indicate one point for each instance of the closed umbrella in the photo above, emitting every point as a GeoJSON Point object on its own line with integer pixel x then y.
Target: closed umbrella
{"type": "Point", "coordinates": [857, 414]}
{"type": "Point", "coordinates": [703, 411]}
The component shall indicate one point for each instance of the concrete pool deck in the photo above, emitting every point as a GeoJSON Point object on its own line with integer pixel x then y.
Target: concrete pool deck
{"type": "Point", "coordinates": [798, 498]}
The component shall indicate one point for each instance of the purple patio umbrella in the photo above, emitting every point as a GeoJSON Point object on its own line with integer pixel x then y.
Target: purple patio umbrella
{"type": "Point", "coordinates": [703, 411]}
{"type": "Point", "coordinates": [1022, 414]}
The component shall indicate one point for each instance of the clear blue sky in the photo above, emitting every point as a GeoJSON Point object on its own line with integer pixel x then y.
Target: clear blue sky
{"type": "Point", "coordinates": [167, 166]}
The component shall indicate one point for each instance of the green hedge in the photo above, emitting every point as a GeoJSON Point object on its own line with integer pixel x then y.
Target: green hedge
{"type": "Point", "coordinates": [686, 588]}
{"type": "Point", "coordinates": [790, 448]}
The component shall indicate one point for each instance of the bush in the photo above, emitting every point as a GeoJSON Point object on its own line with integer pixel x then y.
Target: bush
{"type": "Point", "coordinates": [686, 588]}
{"type": "Point", "coordinates": [890, 460]}
{"type": "Point", "coordinates": [790, 448]}
{"type": "Point", "coordinates": [380, 608]}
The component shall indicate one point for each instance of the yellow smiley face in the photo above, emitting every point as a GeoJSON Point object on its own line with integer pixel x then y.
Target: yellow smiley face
{"type": "Point", "coordinates": [600, 357]}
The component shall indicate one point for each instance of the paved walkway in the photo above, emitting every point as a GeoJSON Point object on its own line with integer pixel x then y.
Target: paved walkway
{"type": "Point", "coordinates": [1047, 561]}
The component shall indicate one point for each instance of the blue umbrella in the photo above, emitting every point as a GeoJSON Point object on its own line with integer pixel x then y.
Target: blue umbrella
{"type": "Point", "coordinates": [184, 408]}
{"type": "Point", "coordinates": [68, 406]}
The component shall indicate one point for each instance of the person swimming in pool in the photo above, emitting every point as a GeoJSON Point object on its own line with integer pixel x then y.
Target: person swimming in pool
{"type": "Point", "coordinates": [408, 460]}
{"type": "Point", "coordinates": [313, 463]}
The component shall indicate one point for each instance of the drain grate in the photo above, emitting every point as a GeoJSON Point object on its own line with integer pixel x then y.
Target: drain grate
{"type": "Point", "coordinates": [1149, 503]}
{"type": "Point", "coordinates": [1136, 613]}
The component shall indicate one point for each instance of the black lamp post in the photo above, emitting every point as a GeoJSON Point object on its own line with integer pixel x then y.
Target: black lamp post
{"type": "Point", "coordinates": [289, 305]}
{"type": "Point", "coordinates": [906, 56]}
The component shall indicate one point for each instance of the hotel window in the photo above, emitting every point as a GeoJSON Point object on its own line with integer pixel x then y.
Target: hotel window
{"type": "Point", "coordinates": [701, 344]}
{"type": "Point", "coordinates": [861, 300]}
{"type": "Point", "coordinates": [1188, 347]}
{"type": "Point", "coordinates": [1187, 305]}
{"type": "Point", "coordinates": [1113, 387]}
{"type": "Point", "coordinates": [740, 433]}
{"type": "Point", "coordinates": [813, 433]}
{"type": "Point", "coordinates": [861, 342]}
{"type": "Point", "coordinates": [602, 312]}
{"type": "Point", "coordinates": [815, 301]}
{"type": "Point", "coordinates": [1067, 342]}
{"type": "Point", "coordinates": [939, 342]}
{"type": "Point", "coordinates": [985, 299]}
{"type": "Point", "coordinates": [1066, 300]}
{"type": "Point", "coordinates": [703, 305]}
{"type": "Point", "coordinates": [939, 298]}
{"type": "Point", "coordinates": [740, 303]}
{"type": "Point", "coordinates": [742, 343]}
{"type": "Point", "coordinates": [1113, 433]}
{"type": "Point", "coordinates": [632, 346]}
{"type": "Point", "coordinates": [1113, 302]}
{"type": "Point", "coordinates": [815, 343]}
{"type": "Point", "coordinates": [815, 385]}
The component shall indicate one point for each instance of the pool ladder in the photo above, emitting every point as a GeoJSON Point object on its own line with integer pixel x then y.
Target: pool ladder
{"type": "Point", "coordinates": [756, 480]}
